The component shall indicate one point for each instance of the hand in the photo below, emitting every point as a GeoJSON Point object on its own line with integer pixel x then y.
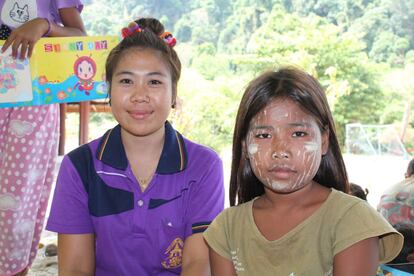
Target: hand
{"type": "Point", "coordinates": [26, 36]}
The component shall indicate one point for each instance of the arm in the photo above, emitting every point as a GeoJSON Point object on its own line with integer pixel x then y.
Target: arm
{"type": "Point", "coordinates": [195, 256]}
{"type": "Point", "coordinates": [76, 254]}
{"type": "Point", "coordinates": [26, 36]}
{"type": "Point", "coordinates": [220, 265]}
{"type": "Point", "coordinates": [361, 258]}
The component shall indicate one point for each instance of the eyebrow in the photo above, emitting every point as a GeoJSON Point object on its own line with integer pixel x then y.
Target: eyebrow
{"type": "Point", "coordinates": [289, 124]}
{"type": "Point", "coordinates": [155, 73]}
{"type": "Point", "coordinates": [300, 124]}
{"type": "Point", "coordinates": [262, 127]}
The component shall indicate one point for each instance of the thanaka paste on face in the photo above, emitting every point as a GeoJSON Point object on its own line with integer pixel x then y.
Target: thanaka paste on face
{"type": "Point", "coordinates": [252, 149]}
{"type": "Point", "coordinates": [308, 152]}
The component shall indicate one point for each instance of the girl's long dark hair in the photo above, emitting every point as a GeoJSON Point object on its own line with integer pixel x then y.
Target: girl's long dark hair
{"type": "Point", "coordinates": [303, 89]}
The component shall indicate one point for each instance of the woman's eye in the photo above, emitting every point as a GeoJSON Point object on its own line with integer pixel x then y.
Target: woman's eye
{"type": "Point", "coordinates": [263, 135]}
{"type": "Point", "coordinates": [126, 81]}
{"type": "Point", "coordinates": [299, 134]}
{"type": "Point", "coordinates": [154, 82]}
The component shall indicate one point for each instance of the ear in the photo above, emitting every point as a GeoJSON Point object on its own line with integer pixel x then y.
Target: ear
{"type": "Point", "coordinates": [174, 96]}
{"type": "Point", "coordinates": [325, 141]}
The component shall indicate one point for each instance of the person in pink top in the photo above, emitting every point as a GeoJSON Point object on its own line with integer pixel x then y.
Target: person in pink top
{"type": "Point", "coordinates": [29, 135]}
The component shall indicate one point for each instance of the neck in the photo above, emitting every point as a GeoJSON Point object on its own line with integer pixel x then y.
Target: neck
{"type": "Point", "coordinates": [143, 145]}
{"type": "Point", "coordinates": [143, 153]}
{"type": "Point", "coordinates": [307, 195]}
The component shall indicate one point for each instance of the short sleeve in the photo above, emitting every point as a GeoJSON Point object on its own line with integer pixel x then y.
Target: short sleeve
{"type": "Point", "coordinates": [60, 4]}
{"type": "Point", "coordinates": [216, 235]}
{"type": "Point", "coordinates": [69, 213]}
{"type": "Point", "coordinates": [206, 199]}
{"type": "Point", "coordinates": [361, 222]}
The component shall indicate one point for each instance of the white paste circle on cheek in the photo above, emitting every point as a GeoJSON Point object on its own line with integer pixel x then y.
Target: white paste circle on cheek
{"type": "Point", "coordinates": [252, 149]}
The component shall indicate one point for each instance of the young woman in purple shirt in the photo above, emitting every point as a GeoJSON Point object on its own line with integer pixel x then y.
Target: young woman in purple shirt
{"type": "Point", "coordinates": [136, 200]}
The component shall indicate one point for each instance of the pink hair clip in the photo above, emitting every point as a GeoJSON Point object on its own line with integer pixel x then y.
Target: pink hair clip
{"type": "Point", "coordinates": [169, 39]}
{"type": "Point", "coordinates": [132, 28]}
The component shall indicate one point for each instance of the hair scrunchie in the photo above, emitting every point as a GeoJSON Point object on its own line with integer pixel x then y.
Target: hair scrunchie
{"type": "Point", "coordinates": [169, 39]}
{"type": "Point", "coordinates": [132, 28]}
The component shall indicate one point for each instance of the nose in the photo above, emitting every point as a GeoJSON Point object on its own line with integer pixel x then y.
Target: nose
{"type": "Point", "coordinates": [140, 95]}
{"type": "Point", "coordinates": [280, 155]}
{"type": "Point", "coordinates": [280, 150]}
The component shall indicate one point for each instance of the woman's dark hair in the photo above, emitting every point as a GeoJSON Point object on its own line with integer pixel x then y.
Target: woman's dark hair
{"type": "Point", "coordinates": [149, 38]}
{"type": "Point", "coordinates": [306, 91]}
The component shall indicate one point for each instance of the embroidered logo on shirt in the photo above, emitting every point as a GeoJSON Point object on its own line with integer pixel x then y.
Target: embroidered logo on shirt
{"type": "Point", "coordinates": [174, 254]}
{"type": "Point", "coordinates": [238, 265]}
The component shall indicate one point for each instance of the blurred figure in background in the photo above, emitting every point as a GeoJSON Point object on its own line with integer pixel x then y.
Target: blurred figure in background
{"type": "Point", "coordinates": [397, 203]}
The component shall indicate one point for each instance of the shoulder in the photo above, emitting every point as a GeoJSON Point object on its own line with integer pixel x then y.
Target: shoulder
{"type": "Point", "coordinates": [354, 220]}
{"type": "Point", "coordinates": [406, 185]}
{"type": "Point", "coordinates": [234, 215]}
{"type": "Point", "coordinates": [345, 201]}
{"type": "Point", "coordinates": [202, 160]}
{"type": "Point", "coordinates": [88, 148]}
{"type": "Point", "coordinates": [197, 151]}
{"type": "Point", "coordinates": [228, 221]}
{"type": "Point", "coordinates": [85, 154]}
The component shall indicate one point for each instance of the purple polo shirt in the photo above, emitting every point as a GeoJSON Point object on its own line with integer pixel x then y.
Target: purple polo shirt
{"type": "Point", "coordinates": [137, 233]}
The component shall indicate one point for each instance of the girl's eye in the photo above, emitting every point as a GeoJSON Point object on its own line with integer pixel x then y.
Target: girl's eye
{"type": "Point", "coordinates": [263, 135]}
{"type": "Point", "coordinates": [154, 82]}
{"type": "Point", "coordinates": [299, 134]}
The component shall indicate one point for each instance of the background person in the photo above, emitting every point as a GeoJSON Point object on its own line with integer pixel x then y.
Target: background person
{"type": "Point", "coordinates": [397, 203]}
{"type": "Point", "coordinates": [29, 135]}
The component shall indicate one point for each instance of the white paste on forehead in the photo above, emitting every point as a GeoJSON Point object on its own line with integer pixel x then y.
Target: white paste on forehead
{"type": "Point", "coordinates": [277, 114]}
{"type": "Point", "coordinates": [253, 148]}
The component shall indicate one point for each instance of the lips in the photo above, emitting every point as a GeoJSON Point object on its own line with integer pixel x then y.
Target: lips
{"type": "Point", "coordinates": [139, 114]}
{"type": "Point", "coordinates": [282, 172]}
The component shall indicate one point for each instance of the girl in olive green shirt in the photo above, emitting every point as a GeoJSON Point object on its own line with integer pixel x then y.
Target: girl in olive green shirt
{"type": "Point", "coordinates": [293, 216]}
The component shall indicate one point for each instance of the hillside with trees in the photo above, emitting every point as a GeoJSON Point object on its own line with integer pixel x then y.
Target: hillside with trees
{"type": "Point", "coordinates": [362, 51]}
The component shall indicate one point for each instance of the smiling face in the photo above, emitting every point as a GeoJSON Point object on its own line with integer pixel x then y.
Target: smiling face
{"type": "Point", "coordinates": [141, 91]}
{"type": "Point", "coordinates": [85, 70]}
{"type": "Point", "coordinates": [285, 145]}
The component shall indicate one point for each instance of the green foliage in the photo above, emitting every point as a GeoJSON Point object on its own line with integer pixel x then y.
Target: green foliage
{"type": "Point", "coordinates": [222, 44]}
{"type": "Point", "coordinates": [207, 110]}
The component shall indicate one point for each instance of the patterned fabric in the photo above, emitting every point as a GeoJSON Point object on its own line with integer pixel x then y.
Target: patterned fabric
{"type": "Point", "coordinates": [397, 203]}
{"type": "Point", "coordinates": [4, 32]}
{"type": "Point", "coordinates": [28, 151]}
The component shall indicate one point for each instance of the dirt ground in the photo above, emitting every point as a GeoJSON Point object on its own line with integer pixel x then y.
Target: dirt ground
{"type": "Point", "coordinates": [43, 265]}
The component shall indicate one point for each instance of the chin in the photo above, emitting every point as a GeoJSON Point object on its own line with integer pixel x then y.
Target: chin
{"type": "Point", "coordinates": [288, 189]}
{"type": "Point", "coordinates": [140, 131]}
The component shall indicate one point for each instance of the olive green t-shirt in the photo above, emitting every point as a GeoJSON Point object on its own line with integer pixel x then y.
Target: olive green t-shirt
{"type": "Point", "coordinates": [308, 249]}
